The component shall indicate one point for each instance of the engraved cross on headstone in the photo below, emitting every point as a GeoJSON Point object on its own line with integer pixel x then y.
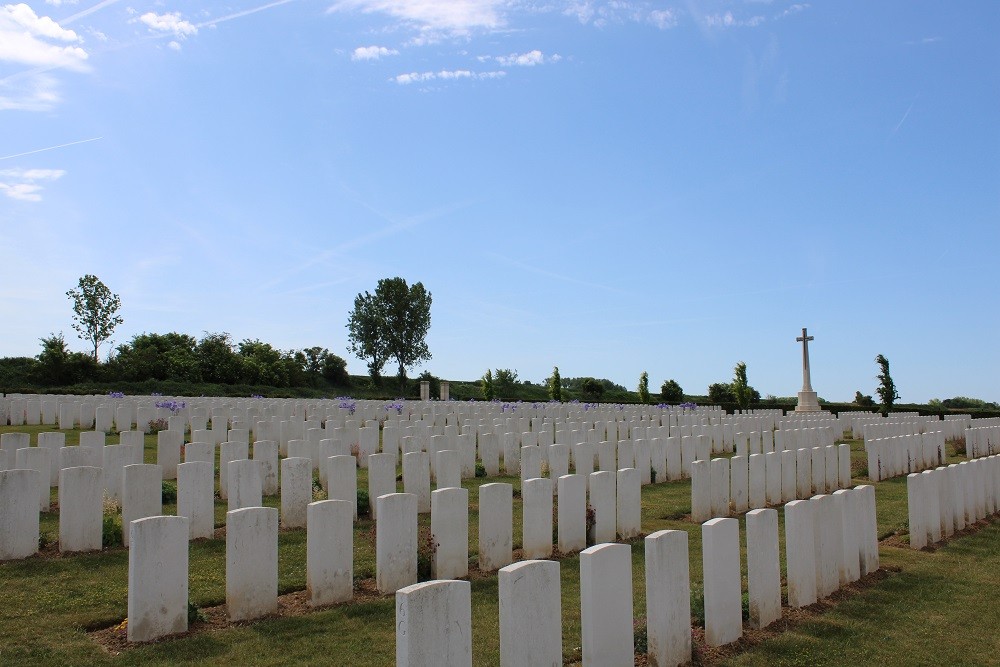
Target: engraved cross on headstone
{"type": "Point", "coordinates": [806, 380]}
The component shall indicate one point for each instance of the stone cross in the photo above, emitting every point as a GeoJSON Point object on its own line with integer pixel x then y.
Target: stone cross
{"type": "Point", "coordinates": [806, 380]}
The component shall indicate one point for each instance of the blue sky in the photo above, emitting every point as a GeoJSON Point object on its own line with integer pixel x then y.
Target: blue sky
{"type": "Point", "coordinates": [610, 187]}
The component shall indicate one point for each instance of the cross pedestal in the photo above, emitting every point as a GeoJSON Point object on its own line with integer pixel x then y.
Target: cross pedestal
{"type": "Point", "coordinates": [808, 401]}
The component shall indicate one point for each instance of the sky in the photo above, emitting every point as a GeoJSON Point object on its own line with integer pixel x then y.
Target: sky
{"type": "Point", "coordinates": [607, 187]}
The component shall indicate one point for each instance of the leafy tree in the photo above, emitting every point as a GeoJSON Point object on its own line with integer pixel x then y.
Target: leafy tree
{"type": "Point", "coordinates": [314, 357]}
{"type": "Point", "coordinates": [488, 389]}
{"type": "Point", "coordinates": [720, 392]}
{"type": "Point", "coordinates": [392, 323]}
{"type": "Point", "coordinates": [150, 356]}
{"type": "Point", "coordinates": [643, 390]}
{"type": "Point", "coordinates": [334, 369]}
{"type": "Point", "coordinates": [95, 311]}
{"type": "Point", "coordinates": [17, 371]}
{"type": "Point", "coordinates": [887, 388]}
{"type": "Point", "coordinates": [862, 400]}
{"type": "Point", "coordinates": [58, 366]}
{"type": "Point", "coordinates": [591, 388]}
{"type": "Point", "coordinates": [217, 359]}
{"type": "Point", "coordinates": [555, 385]}
{"type": "Point", "coordinates": [671, 392]}
{"type": "Point", "coordinates": [263, 364]}
{"type": "Point", "coordinates": [575, 383]}
{"type": "Point", "coordinates": [741, 389]}
{"type": "Point", "coordinates": [504, 380]}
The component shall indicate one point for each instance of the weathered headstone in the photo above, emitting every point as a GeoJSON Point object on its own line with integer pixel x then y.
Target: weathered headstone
{"type": "Point", "coordinates": [329, 552]}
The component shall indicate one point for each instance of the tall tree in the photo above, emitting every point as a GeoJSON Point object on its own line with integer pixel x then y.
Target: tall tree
{"type": "Point", "coordinates": [555, 385]}
{"type": "Point", "coordinates": [392, 323]}
{"type": "Point", "coordinates": [95, 310]}
{"type": "Point", "coordinates": [886, 387]}
{"type": "Point", "coordinates": [742, 391]}
{"type": "Point", "coordinates": [488, 390]}
{"type": "Point", "coordinates": [643, 390]}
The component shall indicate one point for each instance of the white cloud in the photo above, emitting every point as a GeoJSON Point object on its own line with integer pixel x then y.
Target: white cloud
{"type": "Point", "coordinates": [663, 18]}
{"type": "Point", "coordinates": [58, 3]}
{"type": "Point", "coordinates": [171, 22]}
{"type": "Point", "coordinates": [727, 20]}
{"type": "Point", "coordinates": [372, 52]}
{"type": "Point", "coordinates": [175, 45]}
{"type": "Point", "coordinates": [433, 17]}
{"type": "Point", "coordinates": [21, 184]}
{"type": "Point", "coordinates": [420, 77]}
{"type": "Point", "coordinates": [38, 41]}
{"type": "Point", "coordinates": [529, 59]}
{"type": "Point", "coordinates": [792, 9]}
{"type": "Point", "coordinates": [29, 93]}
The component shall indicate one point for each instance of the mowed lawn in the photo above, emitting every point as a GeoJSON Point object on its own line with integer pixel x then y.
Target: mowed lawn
{"type": "Point", "coordinates": [932, 607]}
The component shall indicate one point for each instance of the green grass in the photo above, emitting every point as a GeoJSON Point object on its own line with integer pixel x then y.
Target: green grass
{"type": "Point", "coordinates": [935, 608]}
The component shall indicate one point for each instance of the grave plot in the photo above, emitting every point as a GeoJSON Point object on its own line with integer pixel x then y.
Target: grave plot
{"type": "Point", "coordinates": [579, 468]}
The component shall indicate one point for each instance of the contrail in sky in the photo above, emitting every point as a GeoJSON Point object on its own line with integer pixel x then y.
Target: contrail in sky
{"type": "Point", "coordinates": [89, 10]}
{"type": "Point", "coordinates": [903, 119]}
{"type": "Point", "coordinates": [50, 148]}
{"type": "Point", "coordinates": [246, 12]}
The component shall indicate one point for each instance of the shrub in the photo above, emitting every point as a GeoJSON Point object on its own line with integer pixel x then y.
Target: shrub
{"type": "Point", "coordinates": [480, 470]}
{"type": "Point", "coordinates": [194, 614]}
{"type": "Point", "coordinates": [111, 531]}
{"type": "Point", "coordinates": [169, 492]}
{"type": "Point", "coordinates": [698, 606]}
{"type": "Point", "coordinates": [364, 506]}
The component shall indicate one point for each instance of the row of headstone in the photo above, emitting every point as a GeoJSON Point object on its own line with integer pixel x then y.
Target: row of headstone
{"type": "Point", "coordinates": [949, 498]}
{"type": "Point", "coordinates": [157, 602]}
{"type": "Point", "coordinates": [903, 454]}
{"type": "Point", "coordinates": [158, 566]}
{"type": "Point", "coordinates": [797, 438]}
{"type": "Point", "coordinates": [722, 487]}
{"type": "Point", "coordinates": [982, 441]}
{"type": "Point", "coordinates": [830, 542]}
{"type": "Point", "coordinates": [615, 499]}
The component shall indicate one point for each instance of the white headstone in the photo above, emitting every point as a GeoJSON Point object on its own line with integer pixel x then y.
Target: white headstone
{"type": "Point", "coordinates": [81, 494]}
{"type": "Point", "coordinates": [434, 624]}
{"type": "Point", "coordinates": [495, 526]}
{"type": "Point", "coordinates": [629, 512]}
{"type": "Point", "coordinates": [251, 563]}
{"type": "Point", "coordinates": [450, 532]}
{"type": "Point", "coordinates": [530, 614]}
{"type": "Point", "coordinates": [395, 541]}
{"type": "Point", "coordinates": [763, 567]}
{"type": "Point", "coordinates": [157, 578]}
{"type": "Point", "coordinates": [142, 494]}
{"type": "Point", "coordinates": [536, 508]}
{"type": "Point", "coordinates": [668, 598]}
{"type": "Point", "coordinates": [606, 605]}
{"type": "Point", "coordinates": [329, 552]}
{"type": "Point", "coordinates": [19, 491]}
{"type": "Point", "coordinates": [195, 497]}
{"type": "Point", "coordinates": [572, 510]}
{"type": "Point", "coordinates": [296, 491]}
{"type": "Point", "coordinates": [720, 540]}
